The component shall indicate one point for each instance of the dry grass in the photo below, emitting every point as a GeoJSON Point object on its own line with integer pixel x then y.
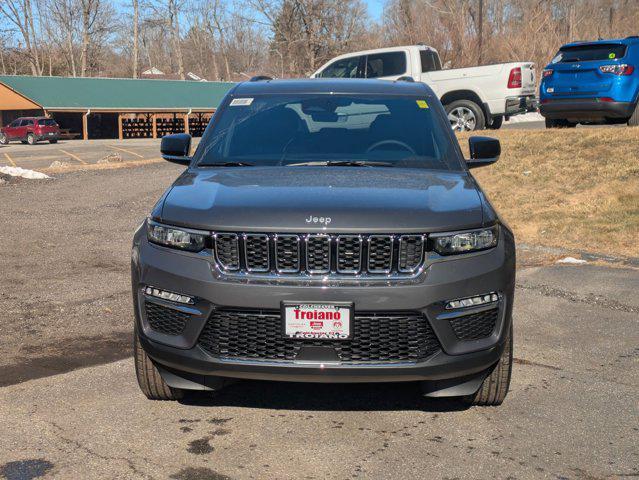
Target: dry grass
{"type": "Point", "coordinates": [577, 189]}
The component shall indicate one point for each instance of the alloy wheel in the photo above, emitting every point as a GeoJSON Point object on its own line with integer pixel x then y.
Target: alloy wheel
{"type": "Point", "coordinates": [462, 119]}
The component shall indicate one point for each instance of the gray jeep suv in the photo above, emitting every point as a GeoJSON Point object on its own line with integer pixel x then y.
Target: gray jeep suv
{"type": "Point", "coordinates": [325, 231]}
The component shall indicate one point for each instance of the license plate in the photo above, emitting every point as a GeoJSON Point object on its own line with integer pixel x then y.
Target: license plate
{"type": "Point", "coordinates": [317, 321]}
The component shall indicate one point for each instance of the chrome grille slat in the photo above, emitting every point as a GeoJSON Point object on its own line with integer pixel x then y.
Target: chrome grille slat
{"type": "Point", "coordinates": [257, 254]}
{"type": "Point", "coordinates": [318, 253]}
{"type": "Point", "coordinates": [287, 253]}
{"type": "Point", "coordinates": [369, 255]}
{"type": "Point", "coordinates": [349, 253]}
{"type": "Point", "coordinates": [411, 252]}
{"type": "Point", "coordinates": [380, 253]}
{"type": "Point", "coordinates": [227, 250]}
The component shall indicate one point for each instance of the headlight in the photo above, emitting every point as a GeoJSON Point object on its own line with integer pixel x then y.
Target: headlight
{"type": "Point", "coordinates": [184, 239]}
{"type": "Point", "coordinates": [462, 242]}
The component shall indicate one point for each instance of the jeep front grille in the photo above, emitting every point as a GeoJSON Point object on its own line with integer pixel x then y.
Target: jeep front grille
{"type": "Point", "coordinates": [319, 253]}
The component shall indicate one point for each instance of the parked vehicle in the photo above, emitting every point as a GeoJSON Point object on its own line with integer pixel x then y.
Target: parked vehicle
{"type": "Point", "coordinates": [592, 83]}
{"type": "Point", "coordinates": [325, 231]}
{"type": "Point", "coordinates": [30, 130]}
{"type": "Point", "coordinates": [474, 98]}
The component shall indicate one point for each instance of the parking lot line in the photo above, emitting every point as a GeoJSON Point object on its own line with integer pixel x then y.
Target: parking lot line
{"type": "Point", "coordinates": [127, 151]}
{"type": "Point", "coordinates": [10, 159]}
{"type": "Point", "coordinates": [74, 157]}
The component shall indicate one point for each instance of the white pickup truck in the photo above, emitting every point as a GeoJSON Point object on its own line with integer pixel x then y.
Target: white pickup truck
{"type": "Point", "coordinates": [474, 97]}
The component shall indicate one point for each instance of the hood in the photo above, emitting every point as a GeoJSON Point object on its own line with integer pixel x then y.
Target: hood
{"type": "Point", "coordinates": [335, 199]}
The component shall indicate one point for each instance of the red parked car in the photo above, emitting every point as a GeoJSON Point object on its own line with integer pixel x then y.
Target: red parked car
{"type": "Point", "coordinates": [30, 130]}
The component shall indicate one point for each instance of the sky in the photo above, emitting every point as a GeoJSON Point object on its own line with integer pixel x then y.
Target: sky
{"type": "Point", "coordinates": [375, 8]}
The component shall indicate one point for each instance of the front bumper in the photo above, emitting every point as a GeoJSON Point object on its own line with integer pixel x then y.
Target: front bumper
{"type": "Point", "coordinates": [585, 109]}
{"type": "Point", "coordinates": [184, 363]}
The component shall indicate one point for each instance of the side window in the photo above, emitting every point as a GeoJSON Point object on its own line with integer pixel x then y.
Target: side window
{"type": "Point", "coordinates": [15, 123]}
{"type": "Point", "coordinates": [344, 68]}
{"type": "Point", "coordinates": [385, 64]}
{"type": "Point", "coordinates": [27, 123]}
{"type": "Point", "coordinates": [430, 61]}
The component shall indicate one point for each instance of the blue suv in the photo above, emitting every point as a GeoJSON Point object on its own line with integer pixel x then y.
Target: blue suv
{"type": "Point", "coordinates": [592, 82]}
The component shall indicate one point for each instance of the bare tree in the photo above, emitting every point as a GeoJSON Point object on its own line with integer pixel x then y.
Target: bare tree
{"type": "Point", "coordinates": [20, 14]}
{"type": "Point", "coordinates": [305, 33]}
{"type": "Point", "coordinates": [136, 36]}
{"type": "Point", "coordinates": [60, 20]}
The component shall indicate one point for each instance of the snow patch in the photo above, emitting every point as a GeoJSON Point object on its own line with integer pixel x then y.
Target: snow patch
{"type": "Point", "coordinates": [23, 172]}
{"type": "Point", "coordinates": [572, 261]}
{"type": "Point", "coordinates": [526, 117]}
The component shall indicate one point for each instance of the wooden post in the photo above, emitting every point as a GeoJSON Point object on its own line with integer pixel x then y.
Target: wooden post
{"type": "Point", "coordinates": [154, 123]}
{"type": "Point", "coordinates": [85, 126]}
{"type": "Point", "coordinates": [186, 123]}
{"type": "Point", "coordinates": [120, 135]}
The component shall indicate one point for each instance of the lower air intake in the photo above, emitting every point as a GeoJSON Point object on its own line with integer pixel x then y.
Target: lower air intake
{"type": "Point", "coordinates": [384, 337]}
{"type": "Point", "coordinates": [164, 319]}
{"type": "Point", "coordinates": [476, 325]}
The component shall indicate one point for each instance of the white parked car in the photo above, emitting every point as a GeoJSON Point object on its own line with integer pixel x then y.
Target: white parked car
{"type": "Point", "coordinates": [474, 97]}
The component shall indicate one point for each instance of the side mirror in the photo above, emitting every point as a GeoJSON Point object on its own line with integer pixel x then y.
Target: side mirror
{"type": "Point", "coordinates": [483, 151]}
{"type": "Point", "coordinates": [176, 148]}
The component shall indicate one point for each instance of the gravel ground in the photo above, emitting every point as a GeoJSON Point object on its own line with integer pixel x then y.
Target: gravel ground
{"type": "Point", "coordinates": [70, 407]}
{"type": "Point", "coordinates": [64, 252]}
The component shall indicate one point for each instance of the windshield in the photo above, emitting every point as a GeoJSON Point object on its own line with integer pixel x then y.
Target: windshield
{"type": "Point", "coordinates": [584, 53]}
{"type": "Point", "coordinates": [279, 130]}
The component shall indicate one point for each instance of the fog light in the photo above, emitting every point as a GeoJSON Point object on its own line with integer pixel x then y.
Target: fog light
{"type": "Point", "coordinates": [473, 301]}
{"type": "Point", "coordinates": [172, 297]}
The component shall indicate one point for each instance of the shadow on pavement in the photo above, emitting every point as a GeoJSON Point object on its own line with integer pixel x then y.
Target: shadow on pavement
{"type": "Point", "coordinates": [324, 397]}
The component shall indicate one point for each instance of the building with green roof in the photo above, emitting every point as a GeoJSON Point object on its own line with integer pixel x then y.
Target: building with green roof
{"type": "Point", "coordinates": [112, 108]}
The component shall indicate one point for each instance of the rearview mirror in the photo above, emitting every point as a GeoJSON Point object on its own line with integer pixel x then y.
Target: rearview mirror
{"type": "Point", "coordinates": [176, 148]}
{"type": "Point", "coordinates": [483, 151]}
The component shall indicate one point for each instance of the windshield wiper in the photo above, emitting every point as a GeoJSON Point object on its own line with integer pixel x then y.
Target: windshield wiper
{"type": "Point", "coordinates": [342, 163]}
{"type": "Point", "coordinates": [227, 164]}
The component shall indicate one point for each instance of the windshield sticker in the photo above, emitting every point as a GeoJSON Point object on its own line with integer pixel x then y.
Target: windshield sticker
{"type": "Point", "coordinates": [422, 104]}
{"type": "Point", "coordinates": [611, 56]}
{"type": "Point", "coordinates": [241, 102]}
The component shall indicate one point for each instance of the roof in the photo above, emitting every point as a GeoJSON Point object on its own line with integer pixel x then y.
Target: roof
{"type": "Point", "coordinates": [333, 85]}
{"type": "Point", "coordinates": [625, 41]}
{"type": "Point", "coordinates": [69, 93]}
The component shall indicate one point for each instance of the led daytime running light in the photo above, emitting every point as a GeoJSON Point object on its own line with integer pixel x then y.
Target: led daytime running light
{"type": "Point", "coordinates": [472, 301]}
{"type": "Point", "coordinates": [170, 296]}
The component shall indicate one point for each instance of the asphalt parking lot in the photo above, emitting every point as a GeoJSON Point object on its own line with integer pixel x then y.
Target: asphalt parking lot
{"type": "Point", "coordinates": [70, 406]}
{"type": "Point", "coordinates": [77, 153]}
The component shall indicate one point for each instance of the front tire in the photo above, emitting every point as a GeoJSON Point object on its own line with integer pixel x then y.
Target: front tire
{"type": "Point", "coordinates": [634, 120]}
{"type": "Point", "coordinates": [31, 139]}
{"type": "Point", "coordinates": [465, 116]}
{"type": "Point", "coordinates": [3, 139]}
{"type": "Point", "coordinates": [149, 379]}
{"type": "Point", "coordinates": [494, 389]}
